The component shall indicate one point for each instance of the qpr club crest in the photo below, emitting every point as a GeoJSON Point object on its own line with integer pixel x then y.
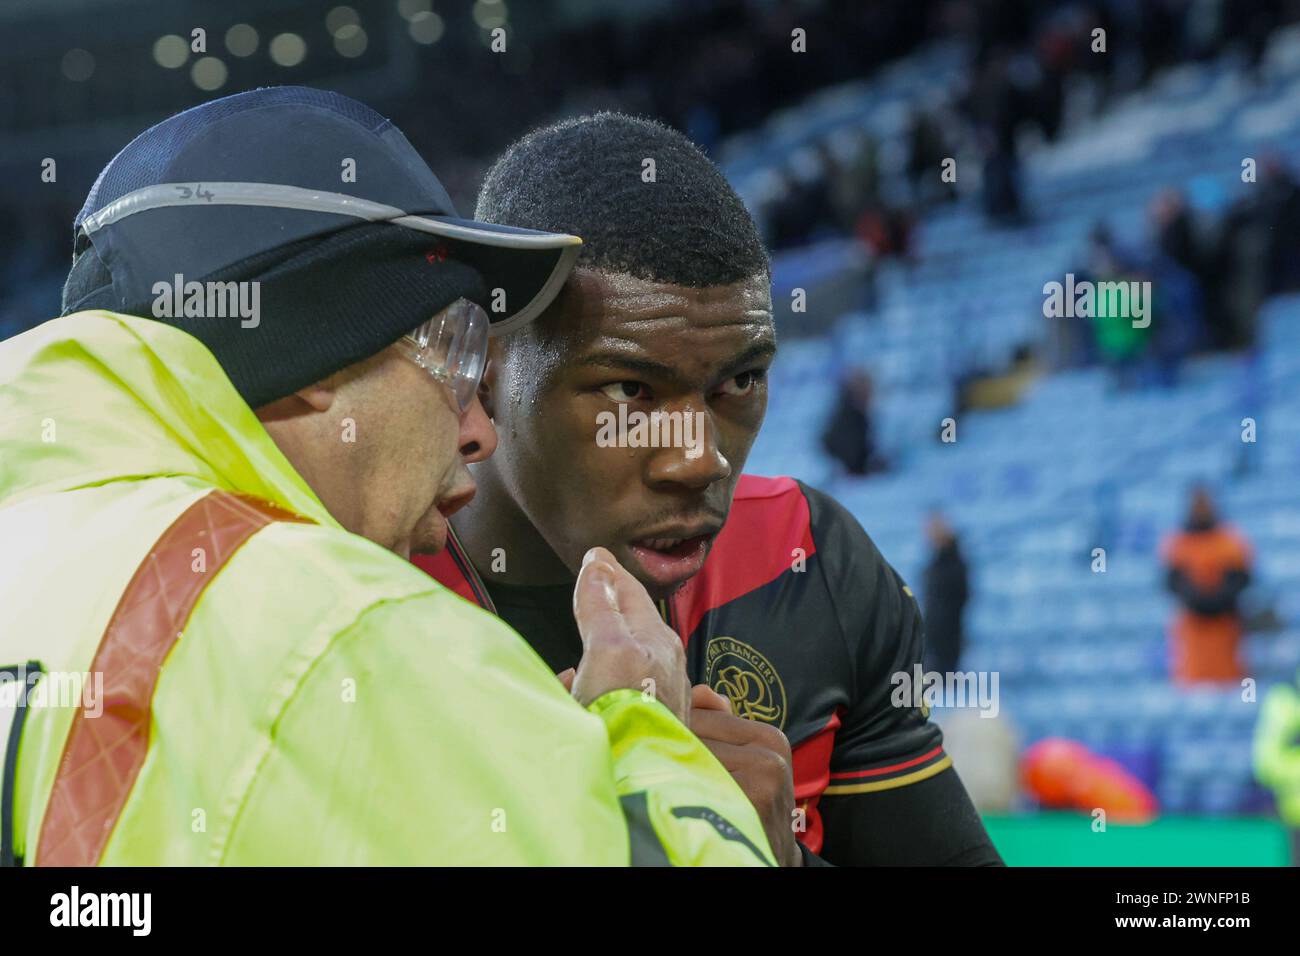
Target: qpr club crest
{"type": "Point", "coordinates": [747, 679]}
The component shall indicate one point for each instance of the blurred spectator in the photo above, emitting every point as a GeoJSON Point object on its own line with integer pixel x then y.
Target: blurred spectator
{"type": "Point", "coordinates": [1175, 231]}
{"type": "Point", "coordinates": [1072, 343]}
{"type": "Point", "coordinates": [1000, 389]}
{"type": "Point", "coordinates": [1279, 205]}
{"type": "Point", "coordinates": [1001, 196]}
{"type": "Point", "coordinates": [1177, 323]}
{"type": "Point", "coordinates": [1256, 254]}
{"type": "Point", "coordinates": [1277, 755]}
{"type": "Point", "coordinates": [1242, 283]}
{"type": "Point", "coordinates": [849, 437]}
{"type": "Point", "coordinates": [1161, 28]}
{"type": "Point", "coordinates": [1140, 353]}
{"type": "Point", "coordinates": [1208, 567]}
{"type": "Point", "coordinates": [886, 231]}
{"type": "Point", "coordinates": [1121, 344]}
{"type": "Point", "coordinates": [927, 148]}
{"type": "Point", "coordinates": [1190, 276]}
{"type": "Point", "coordinates": [946, 592]}
{"type": "Point", "coordinates": [1055, 51]}
{"type": "Point", "coordinates": [802, 209]}
{"type": "Point", "coordinates": [997, 105]}
{"type": "Point", "coordinates": [854, 171]}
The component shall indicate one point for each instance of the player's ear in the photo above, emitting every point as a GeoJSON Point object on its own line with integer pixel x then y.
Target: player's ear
{"type": "Point", "coordinates": [490, 385]}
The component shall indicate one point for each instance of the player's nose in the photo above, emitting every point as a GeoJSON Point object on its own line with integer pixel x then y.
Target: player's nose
{"type": "Point", "coordinates": [696, 463]}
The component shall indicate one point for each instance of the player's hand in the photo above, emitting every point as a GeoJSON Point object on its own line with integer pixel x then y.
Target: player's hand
{"type": "Point", "coordinates": [625, 642]}
{"type": "Point", "coordinates": [758, 756]}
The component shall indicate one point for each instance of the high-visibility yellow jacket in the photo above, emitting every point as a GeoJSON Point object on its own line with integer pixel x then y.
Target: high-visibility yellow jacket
{"type": "Point", "coordinates": [294, 693]}
{"type": "Point", "coordinates": [1277, 748]}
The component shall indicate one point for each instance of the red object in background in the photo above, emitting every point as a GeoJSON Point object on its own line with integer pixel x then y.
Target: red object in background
{"type": "Point", "coordinates": [1064, 774]}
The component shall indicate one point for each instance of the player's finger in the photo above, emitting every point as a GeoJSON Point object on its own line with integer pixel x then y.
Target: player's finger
{"type": "Point", "coordinates": [704, 697]}
{"type": "Point", "coordinates": [720, 725]}
{"type": "Point", "coordinates": [731, 756]}
{"type": "Point", "coordinates": [566, 678]}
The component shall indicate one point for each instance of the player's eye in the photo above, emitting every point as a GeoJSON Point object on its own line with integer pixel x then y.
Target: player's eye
{"type": "Point", "coordinates": [744, 383]}
{"type": "Point", "coordinates": [623, 392]}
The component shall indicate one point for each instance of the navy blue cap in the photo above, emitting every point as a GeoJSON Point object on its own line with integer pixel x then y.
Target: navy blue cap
{"type": "Point", "coordinates": [236, 178]}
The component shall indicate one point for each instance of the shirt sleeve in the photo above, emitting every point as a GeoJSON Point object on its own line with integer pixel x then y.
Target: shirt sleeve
{"type": "Point", "coordinates": [886, 739]}
{"type": "Point", "coordinates": [930, 823]}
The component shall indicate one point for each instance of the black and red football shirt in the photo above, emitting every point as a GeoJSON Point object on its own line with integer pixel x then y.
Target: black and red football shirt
{"type": "Point", "coordinates": [796, 618]}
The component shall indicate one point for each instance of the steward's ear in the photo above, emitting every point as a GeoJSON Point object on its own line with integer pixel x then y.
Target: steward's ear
{"type": "Point", "coordinates": [317, 397]}
{"type": "Point", "coordinates": [320, 395]}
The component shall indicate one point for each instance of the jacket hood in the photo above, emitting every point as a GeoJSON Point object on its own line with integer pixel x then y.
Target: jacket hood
{"type": "Point", "coordinates": [96, 397]}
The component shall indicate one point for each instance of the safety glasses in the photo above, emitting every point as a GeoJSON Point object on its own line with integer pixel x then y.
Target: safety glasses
{"type": "Point", "coordinates": [452, 347]}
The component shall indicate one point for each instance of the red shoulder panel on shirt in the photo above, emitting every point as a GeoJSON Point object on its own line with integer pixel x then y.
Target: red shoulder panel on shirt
{"type": "Point", "coordinates": [768, 520]}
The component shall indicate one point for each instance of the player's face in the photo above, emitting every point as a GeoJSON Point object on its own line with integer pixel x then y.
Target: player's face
{"type": "Point", "coordinates": [612, 351]}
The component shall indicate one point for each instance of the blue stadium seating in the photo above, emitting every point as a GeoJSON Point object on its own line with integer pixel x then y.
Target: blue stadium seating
{"type": "Point", "coordinates": [1077, 465]}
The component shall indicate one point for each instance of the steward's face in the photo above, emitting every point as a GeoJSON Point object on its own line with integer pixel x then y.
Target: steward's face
{"type": "Point", "coordinates": [403, 414]}
{"type": "Point", "coordinates": [626, 414]}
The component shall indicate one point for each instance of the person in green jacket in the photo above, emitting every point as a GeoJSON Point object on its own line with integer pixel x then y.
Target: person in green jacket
{"type": "Point", "coordinates": [212, 648]}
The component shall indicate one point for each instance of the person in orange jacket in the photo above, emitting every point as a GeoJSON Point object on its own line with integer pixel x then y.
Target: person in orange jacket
{"type": "Point", "coordinates": [1208, 567]}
